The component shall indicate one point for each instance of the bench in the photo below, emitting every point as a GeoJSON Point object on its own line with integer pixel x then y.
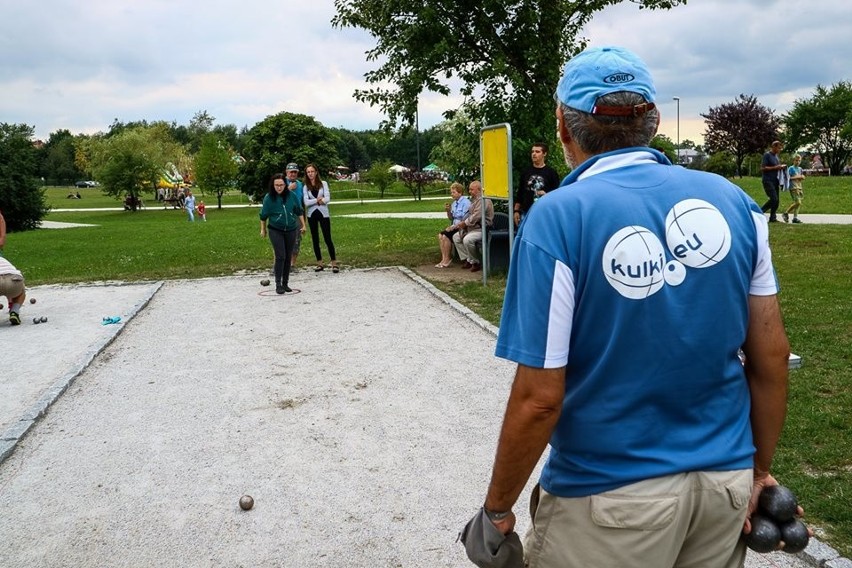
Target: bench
{"type": "Point", "coordinates": [498, 242]}
{"type": "Point", "coordinates": [173, 201]}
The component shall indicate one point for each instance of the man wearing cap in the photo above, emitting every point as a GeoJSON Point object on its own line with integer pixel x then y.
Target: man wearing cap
{"type": "Point", "coordinates": [660, 438]}
{"type": "Point", "coordinates": [294, 185]}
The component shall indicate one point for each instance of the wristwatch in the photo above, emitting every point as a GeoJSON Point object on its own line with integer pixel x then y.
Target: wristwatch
{"type": "Point", "coordinates": [494, 516]}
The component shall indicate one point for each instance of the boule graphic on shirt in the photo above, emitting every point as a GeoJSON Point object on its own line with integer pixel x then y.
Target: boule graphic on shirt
{"type": "Point", "coordinates": [697, 234]}
{"type": "Point", "coordinates": [634, 259]}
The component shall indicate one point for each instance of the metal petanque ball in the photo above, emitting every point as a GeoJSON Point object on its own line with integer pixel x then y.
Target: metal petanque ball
{"type": "Point", "coordinates": [246, 502]}
{"type": "Point", "coordinates": [43, 319]}
{"type": "Point", "coordinates": [32, 300]}
{"type": "Point", "coordinates": [264, 282]}
{"type": "Point", "coordinates": [36, 319]}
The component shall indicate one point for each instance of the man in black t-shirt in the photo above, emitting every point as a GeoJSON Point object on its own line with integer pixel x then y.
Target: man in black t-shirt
{"type": "Point", "coordinates": [536, 180]}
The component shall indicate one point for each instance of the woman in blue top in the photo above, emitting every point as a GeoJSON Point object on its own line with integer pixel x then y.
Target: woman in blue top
{"type": "Point", "coordinates": [283, 215]}
{"type": "Point", "coordinates": [456, 211]}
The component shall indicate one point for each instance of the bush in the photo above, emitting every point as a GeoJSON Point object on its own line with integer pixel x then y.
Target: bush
{"type": "Point", "coordinates": [721, 163]}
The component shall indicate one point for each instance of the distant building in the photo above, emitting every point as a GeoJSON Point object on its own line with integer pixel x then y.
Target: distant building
{"type": "Point", "coordinates": [686, 156]}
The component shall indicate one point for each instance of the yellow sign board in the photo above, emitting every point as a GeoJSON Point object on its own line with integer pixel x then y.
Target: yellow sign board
{"type": "Point", "coordinates": [495, 156]}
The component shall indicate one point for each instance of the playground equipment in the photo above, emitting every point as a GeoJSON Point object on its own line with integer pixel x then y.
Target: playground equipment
{"type": "Point", "coordinates": [170, 177]}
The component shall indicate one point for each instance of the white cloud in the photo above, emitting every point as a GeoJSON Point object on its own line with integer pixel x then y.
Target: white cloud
{"type": "Point", "coordinates": [79, 65]}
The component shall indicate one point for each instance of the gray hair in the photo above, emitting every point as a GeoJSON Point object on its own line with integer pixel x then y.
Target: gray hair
{"type": "Point", "coordinates": [596, 134]}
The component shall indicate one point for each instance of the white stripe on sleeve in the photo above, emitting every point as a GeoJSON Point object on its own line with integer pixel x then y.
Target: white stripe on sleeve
{"type": "Point", "coordinates": [560, 318]}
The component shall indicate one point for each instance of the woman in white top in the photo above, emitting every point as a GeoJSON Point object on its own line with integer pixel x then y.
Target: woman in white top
{"type": "Point", "coordinates": [317, 197]}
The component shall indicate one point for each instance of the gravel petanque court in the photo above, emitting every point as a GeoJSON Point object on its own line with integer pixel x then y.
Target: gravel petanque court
{"type": "Point", "coordinates": [361, 414]}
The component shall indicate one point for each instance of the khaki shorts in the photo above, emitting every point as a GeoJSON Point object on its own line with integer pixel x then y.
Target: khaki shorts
{"type": "Point", "coordinates": [11, 285]}
{"type": "Point", "coordinates": [689, 520]}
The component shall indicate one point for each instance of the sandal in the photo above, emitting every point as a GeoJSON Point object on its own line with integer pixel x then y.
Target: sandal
{"type": "Point", "coordinates": [335, 269]}
{"type": "Point", "coordinates": [319, 269]}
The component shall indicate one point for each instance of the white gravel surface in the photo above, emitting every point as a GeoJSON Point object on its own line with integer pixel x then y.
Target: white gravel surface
{"type": "Point", "coordinates": [361, 414]}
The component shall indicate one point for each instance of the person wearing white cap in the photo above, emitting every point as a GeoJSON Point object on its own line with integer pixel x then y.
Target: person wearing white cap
{"type": "Point", "coordinates": [648, 279]}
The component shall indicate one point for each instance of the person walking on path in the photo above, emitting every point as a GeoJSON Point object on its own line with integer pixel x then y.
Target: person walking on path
{"type": "Point", "coordinates": [456, 211]}
{"type": "Point", "coordinates": [795, 175]}
{"type": "Point", "coordinates": [661, 438]}
{"type": "Point", "coordinates": [189, 206]}
{"type": "Point", "coordinates": [770, 166]}
{"type": "Point", "coordinates": [282, 218]}
{"type": "Point", "coordinates": [317, 196]}
{"type": "Point", "coordinates": [13, 286]}
{"type": "Point", "coordinates": [536, 180]}
{"type": "Point", "coordinates": [202, 211]}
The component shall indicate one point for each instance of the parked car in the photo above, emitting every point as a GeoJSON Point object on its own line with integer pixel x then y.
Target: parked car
{"type": "Point", "coordinates": [88, 183]}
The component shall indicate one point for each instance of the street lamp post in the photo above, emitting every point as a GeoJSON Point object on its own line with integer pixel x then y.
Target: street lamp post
{"type": "Point", "coordinates": [678, 128]}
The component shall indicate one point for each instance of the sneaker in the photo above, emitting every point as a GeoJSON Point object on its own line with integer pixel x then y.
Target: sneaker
{"type": "Point", "coordinates": [287, 289]}
{"type": "Point", "coordinates": [14, 318]}
{"type": "Point", "coordinates": [786, 218]}
{"type": "Point", "coordinates": [476, 267]}
{"type": "Point", "coordinates": [466, 265]}
{"type": "Point", "coordinates": [280, 289]}
{"type": "Point", "coordinates": [796, 220]}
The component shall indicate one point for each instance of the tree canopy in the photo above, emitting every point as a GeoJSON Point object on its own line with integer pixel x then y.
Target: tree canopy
{"type": "Point", "coordinates": [507, 54]}
{"type": "Point", "coordinates": [740, 128]}
{"type": "Point", "coordinates": [282, 138]}
{"type": "Point", "coordinates": [21, 199]}
{"type": "Point", "coordinates": [215, 167]}
{"type": "Point", "coordinates": [823, 124]}
{"type": "Point", "coordinates": [131, 161]}
{"type": "Point", "coordinates": [56, 159]}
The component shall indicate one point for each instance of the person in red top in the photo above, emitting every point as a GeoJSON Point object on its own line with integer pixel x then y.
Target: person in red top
{"type": "Point", "coordinates": [202, 211]}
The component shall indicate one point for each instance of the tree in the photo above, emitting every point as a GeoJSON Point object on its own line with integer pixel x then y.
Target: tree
{"type": "Point", "coordinates": [21, 198]}
{"type": "Point", "coordinates": [215, 167]}
{"type": "Point", "coordinates": [130, 162]}
{"type": "Point", "coordinates": [415, 180]}
{"type": "Point", "coordinates": [741, 128]}
{"type": "Point", "coordinates": [823, 123]}
{"type": "Point", "coordinates": [351, 150]}
{"type": "Point", "coordinates": [664, 144]}
{"type": "Point", "coordinates": [458, 152]}
{"type": "Point", "coordinates": [56, 159]}
{"type": "Point", "coordinates": [380, 175]}
{"type": "Point", "coordinates": [507, 54]}
{"type": "Point", "coordinates": [200, 125]}
{"type": "Point", "coordinates": [282, 138]}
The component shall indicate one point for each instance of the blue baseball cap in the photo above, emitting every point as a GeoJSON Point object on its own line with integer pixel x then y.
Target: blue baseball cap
{"type": "Point", "coordinates": [599, 71]}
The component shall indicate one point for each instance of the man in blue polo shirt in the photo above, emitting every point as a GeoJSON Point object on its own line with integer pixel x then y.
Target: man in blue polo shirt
{"type": "Point", "coordinates": [648, 279]}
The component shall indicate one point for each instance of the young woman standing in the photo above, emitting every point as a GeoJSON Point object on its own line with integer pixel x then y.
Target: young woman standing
{"type": "Point", "coordinates": [317, 197]}
{"type": "Point", "coordinates": [282, 215]}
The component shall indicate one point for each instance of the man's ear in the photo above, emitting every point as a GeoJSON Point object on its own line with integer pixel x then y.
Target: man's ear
{"type": "Point", "coordinates": [561, 129]}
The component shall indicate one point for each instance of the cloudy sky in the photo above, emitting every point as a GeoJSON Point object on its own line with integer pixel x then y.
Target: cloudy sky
{"type": "Point", "coordinates": [81, 64]}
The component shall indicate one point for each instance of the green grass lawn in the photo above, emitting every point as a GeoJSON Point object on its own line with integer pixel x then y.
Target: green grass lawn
{"type": "Point", "coordinates": [812, 262]}
{"type": "Point", "coordinates": [823, 194]}
{"type": "Point", "coordinates": [94, 198]}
